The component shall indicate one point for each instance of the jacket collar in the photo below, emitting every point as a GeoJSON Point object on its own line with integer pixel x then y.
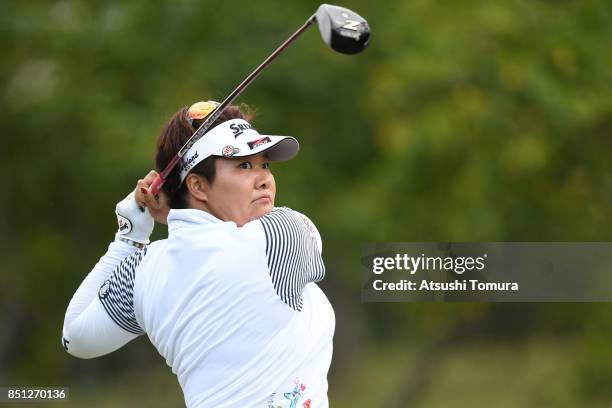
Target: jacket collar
{"type": "Point", "coordinates": [189, 217]}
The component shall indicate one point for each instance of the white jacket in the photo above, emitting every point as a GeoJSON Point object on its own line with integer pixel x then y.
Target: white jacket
{"type": "Point", "coordinates": [234, 311]}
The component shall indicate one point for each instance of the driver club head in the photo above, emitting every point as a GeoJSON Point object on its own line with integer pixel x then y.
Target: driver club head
{"type": "Point", "coordinates": [342, 29]}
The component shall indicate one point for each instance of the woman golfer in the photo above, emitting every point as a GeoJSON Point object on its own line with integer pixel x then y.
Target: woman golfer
{"type": "Point", "coordinates": [229, 297]}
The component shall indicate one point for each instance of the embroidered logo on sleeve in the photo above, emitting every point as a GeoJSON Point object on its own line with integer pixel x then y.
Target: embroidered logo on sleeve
{"type": "Point", "coordinates": [104, 289]}
{"type": "Point", "coordinates": [65, 343]}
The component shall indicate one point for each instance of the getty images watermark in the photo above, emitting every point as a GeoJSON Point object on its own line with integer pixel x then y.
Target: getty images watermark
{"type": "Point", "coordinates": [413, 264]}
{"type": "Point", "coordinates": [495, 271]}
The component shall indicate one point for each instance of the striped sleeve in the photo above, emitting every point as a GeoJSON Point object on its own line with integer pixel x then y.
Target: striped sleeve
{"type": "Point", "coordinates": [117, 293]}
{"type": "Point", "coordinates": [293, 253]}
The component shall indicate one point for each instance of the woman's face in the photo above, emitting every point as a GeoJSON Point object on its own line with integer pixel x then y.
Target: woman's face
{"type": "Point", "coordinates": [243, 189]}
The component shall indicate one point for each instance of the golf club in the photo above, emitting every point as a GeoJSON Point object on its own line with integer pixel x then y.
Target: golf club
{"type": "Point", "coordinates": [342, 29]}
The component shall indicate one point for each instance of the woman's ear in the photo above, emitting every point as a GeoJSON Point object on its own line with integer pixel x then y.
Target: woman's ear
{"type": "Point", "coordinates": [197, 186]}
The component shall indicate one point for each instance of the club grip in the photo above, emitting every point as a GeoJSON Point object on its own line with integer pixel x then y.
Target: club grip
{"type": "Point", "coordinates": [157, 184]}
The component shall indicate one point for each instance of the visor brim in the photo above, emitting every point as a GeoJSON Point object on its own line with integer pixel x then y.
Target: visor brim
{"type": "Point", "coordinates": [276, 149]}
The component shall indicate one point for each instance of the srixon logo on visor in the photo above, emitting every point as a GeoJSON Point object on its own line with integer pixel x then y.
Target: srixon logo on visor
{"type": "Point", "coordinates": [255, 143]}
{"type": "Point", "coordinates": [239, 128]}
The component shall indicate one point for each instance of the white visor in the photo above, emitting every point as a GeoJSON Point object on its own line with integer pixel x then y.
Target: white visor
{"type": "Point", "coordinates": [237, 138]}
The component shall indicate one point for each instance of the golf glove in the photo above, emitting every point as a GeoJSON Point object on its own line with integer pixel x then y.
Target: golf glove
{"type": "Point", "coordinates": [135, 222]}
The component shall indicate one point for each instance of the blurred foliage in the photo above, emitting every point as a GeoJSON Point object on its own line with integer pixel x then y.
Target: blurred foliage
{"type": "Point", "coordinates": [469, 121]}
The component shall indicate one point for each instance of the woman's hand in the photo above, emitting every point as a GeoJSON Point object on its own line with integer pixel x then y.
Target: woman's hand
{"type": "Point", "coordinates": [157, 205]}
